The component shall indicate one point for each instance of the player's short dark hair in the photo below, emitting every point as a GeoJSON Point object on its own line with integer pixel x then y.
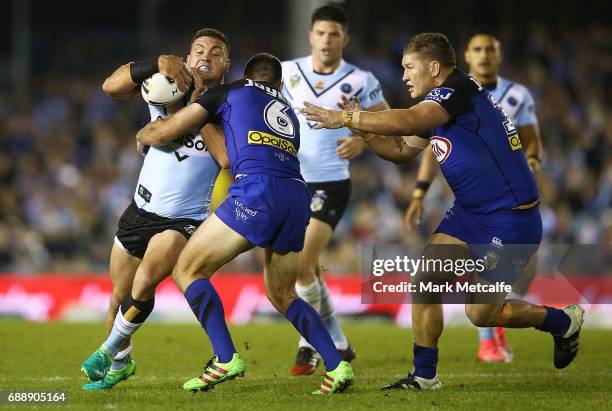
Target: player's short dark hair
{"type": "Point", "coordinates": [434, 46]}
{"type": "Point", "coordinates": [482, 32]}
{"type": "Point", "coordinates": [331, 12]}
{"type": "Point", "coordinates": [265, 67]}
{"type": "Point", "coordinates": [214, 33]}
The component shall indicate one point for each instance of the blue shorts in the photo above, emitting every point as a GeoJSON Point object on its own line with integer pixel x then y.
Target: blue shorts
{"type": "Point", "coordinates": [268, 211]}
{"type": "Point", "coordinates": [505, 240]}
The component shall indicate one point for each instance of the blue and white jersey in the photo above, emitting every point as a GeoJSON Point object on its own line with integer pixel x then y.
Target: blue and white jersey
{"type": "Point", "coordinates": [318, 159]}
{"type": "Point", "coordinates": [177, 179]}
{"type": "Point", "coordinates": [516, 100]}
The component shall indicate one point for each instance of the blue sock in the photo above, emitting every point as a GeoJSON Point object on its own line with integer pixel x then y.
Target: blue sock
{"type": "Point", "coordinates": [208, 309]}
{"type": "Point", "coordinates": [556, 322]}
{"type": "Point", "coordinates": [310, 325]}
{"type": "Point", "coordinates": [425, 361]}
{"type": "Point", "coordinates": [486, 333]}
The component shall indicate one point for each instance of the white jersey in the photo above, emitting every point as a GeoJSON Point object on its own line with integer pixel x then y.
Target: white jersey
{"type": "Point", "coordinates": [177, 179]}
{"type": "Point", "coordinates": [318, 159]}
{"type": "Point", "coordinates": [516, 100]}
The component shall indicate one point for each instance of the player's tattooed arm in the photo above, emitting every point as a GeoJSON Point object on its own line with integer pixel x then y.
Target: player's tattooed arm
{"type": "Point", "coordinates": [399, 143]}
{"type": "Point", "coordinates": [395, 148]}
{"type": "Point", "coordinates": [164, 130]}
{"type": "Point", "coordinates": [215, 143]}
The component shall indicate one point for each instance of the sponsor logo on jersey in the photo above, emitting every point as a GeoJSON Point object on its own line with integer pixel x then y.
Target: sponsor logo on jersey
{"type": "Point", "coordinates": [294, 81]}
{"type": "Point", "coordinates": [441, 148]}
{"type": "Point", "coordinates": [440, 94]}
{"type": "Point", "coordinates": [144, 193]}
{"type": "Point", "coordinates": [260, 137]}
{"type": "Point", "coordinates": [515, 142]}
{"type": "Point", "coordinates": [377, 90]}
{"type": "Point", "coordinates": [346, 88]}
{"type": "Point", "coordinates": [319, 85]}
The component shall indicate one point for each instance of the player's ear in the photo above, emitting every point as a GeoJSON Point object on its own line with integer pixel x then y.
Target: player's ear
{"type": "Point", "coordinates": [280, 85]}
{"type": "Point", "coordinates": [435, 68]}
{"type": "Point", "coordinates": [310, 37]}
{"type": "Point", "coordinates": [228, 64]}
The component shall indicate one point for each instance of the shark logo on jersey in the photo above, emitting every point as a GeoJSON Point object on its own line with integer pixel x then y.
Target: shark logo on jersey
{"type": "Point", "coordinates": [440, 94]}
{"type": "Point", "coordinates": [294, 81]}
{"type": "Point", "coordinates": [441, 148]}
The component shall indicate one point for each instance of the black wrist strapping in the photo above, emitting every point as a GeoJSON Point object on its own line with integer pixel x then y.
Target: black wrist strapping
{"type": "Point", "coordinates": [423, 185]}
{"type": "Point", "coordinates": [141, 70]}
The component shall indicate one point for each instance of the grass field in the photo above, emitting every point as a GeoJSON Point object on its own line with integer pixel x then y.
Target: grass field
{"type": "Point", "coordinates": [45, 357]}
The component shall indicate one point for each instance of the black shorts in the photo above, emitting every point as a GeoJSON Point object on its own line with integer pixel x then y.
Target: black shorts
{"type": "Point", "coordinates": [329, 200]}
{"type": "Point", "coordinates": [137, 227]}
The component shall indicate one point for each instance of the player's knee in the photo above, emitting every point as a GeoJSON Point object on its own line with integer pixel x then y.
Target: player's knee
{"type": "Point", "coordinates": [481, 315]}
{"type": "Point", "coordinates": [280, 298]}
{"type": "Point", "coordinates": [145, 281]}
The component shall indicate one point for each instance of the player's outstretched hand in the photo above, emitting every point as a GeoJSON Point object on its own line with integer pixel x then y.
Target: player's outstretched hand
{"type": "Point", "coordinates": [324, 118]}
{"type": "Point", "coordinates": [173, 67]}
{"type": "Point", "coordinates": [412, 219]}
{"type": "Point", "coordinates": [349, 147]}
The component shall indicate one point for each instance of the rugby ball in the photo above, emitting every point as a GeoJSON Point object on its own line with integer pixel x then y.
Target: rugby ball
{"type": "Point", "coordinates": [159, 90]}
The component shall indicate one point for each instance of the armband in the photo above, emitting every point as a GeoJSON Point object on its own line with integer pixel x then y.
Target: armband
{"type": "Point", "coordinates": [141, 70]}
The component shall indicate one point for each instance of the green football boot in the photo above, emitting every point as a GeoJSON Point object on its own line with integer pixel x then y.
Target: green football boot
{"type": "Point", "coordinates": [98, 363]}
{"type": "Point", "coordinates": [112, 378]}
{"type": "Point", "coordinates": [215, 373]}
{"type": "Point", "coordinates": [337, 380]}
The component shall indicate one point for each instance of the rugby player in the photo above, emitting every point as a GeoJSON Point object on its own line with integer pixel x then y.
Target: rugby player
{"type": "Point", "coordinates": [267, 207]}
{"type": "Point", "coordinates": [171, 199]}
{"type": "Point", "coordinates": [324, 158]}
{"type": "Point", "coordinates": [496, 199]}
{"type": "Point", "coordinates": [483, 56]}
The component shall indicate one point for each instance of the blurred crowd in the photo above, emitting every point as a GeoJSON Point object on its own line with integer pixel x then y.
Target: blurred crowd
{"type": "Point", "coordinates": [68, 163]}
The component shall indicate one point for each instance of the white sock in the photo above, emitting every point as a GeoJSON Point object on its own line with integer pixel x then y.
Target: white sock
{"type": "Point", "coordinates": [122, 354]}
{"type": "Point", "coordinates": [122, 329]}
{"type": "Point", "coordinates": [310, 293]}
{"type": "Point", "coordinates": [328, 314]}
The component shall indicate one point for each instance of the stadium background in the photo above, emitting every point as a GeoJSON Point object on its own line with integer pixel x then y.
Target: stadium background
{"type": "Point", "coordinates": [68, 165]}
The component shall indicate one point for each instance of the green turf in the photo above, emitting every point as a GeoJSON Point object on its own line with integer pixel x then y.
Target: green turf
{"type": "Point", "coordinates": [44, 357]}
